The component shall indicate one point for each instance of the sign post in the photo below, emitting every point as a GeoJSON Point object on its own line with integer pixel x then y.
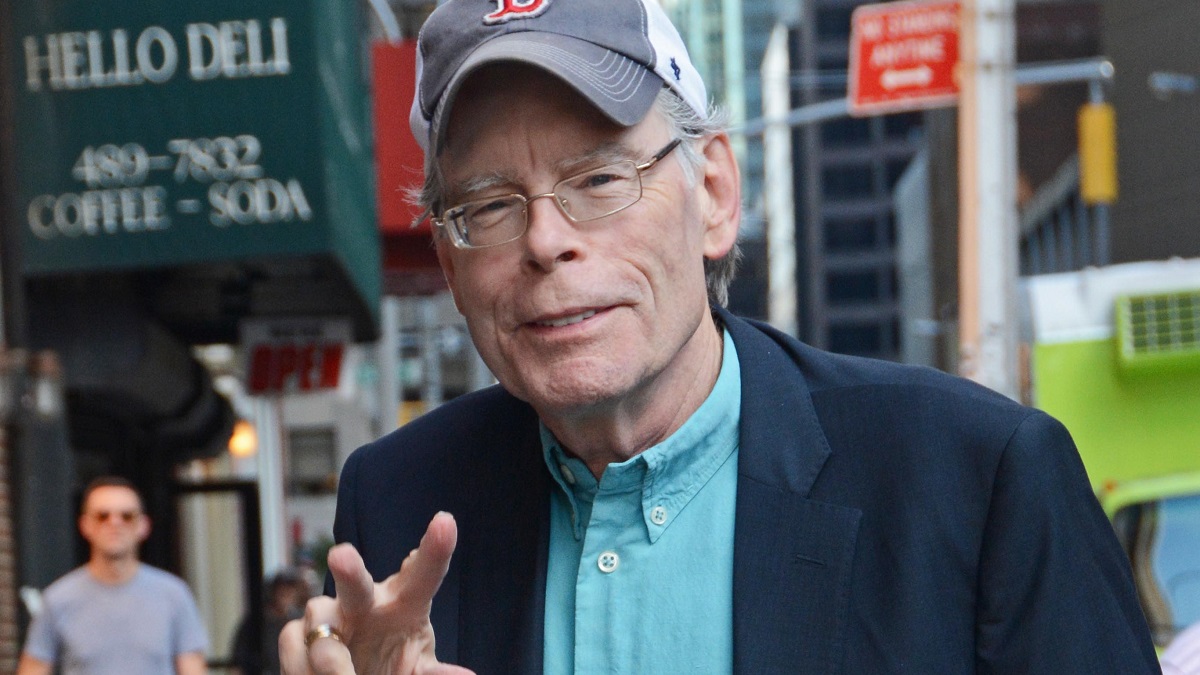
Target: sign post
{"type": "Point", "coordinates": [903, 56]}
{"type": "Point", "coordinates": [988, 230]}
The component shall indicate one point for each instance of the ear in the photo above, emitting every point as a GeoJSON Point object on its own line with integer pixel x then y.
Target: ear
{"type": "Point", "coordinates": [721, 188]}
{"type": "Point", "coordinates": [143, 529]}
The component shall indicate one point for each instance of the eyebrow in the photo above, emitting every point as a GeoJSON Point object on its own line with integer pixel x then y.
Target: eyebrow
{"type": "Point", "coordinates": [455, 192]}
{"type": "Point", "coordinates": [607, 152]}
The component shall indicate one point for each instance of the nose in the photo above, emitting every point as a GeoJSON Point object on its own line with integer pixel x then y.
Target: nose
{"type": "Point", "coordinates": [550, 237]}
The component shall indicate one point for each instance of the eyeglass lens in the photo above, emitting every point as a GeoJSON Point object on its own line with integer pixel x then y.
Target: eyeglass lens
{"type": "Point", "coordinates": [590, 195]}
{"type": "Point", "coordinates": [587, 196]}
{"type": "Point", "coordinates": [599, 192]}
{"type": "Point", "coordinates": [126, 516]}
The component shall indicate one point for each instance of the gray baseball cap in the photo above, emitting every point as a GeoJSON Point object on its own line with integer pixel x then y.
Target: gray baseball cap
{"type": "Point", "coordinates": [616, 53]}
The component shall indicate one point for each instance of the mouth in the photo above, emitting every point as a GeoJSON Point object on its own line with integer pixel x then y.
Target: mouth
{"type": "Point", "coordinates": [567, 320]}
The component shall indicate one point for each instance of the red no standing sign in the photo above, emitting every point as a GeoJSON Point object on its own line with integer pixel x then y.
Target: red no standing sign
{"type": "Point", "coordinates": [903, 56]}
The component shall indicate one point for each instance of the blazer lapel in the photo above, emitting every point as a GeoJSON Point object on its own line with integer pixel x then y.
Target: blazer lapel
{"type": "Point", "coordinates": [792, 555]}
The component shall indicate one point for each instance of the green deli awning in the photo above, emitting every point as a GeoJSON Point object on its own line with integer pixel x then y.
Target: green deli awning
{"type": "Point", "coordinates": [161, 135]}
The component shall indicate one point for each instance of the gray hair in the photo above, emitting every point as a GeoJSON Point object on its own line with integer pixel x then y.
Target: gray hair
{"type": "Point", "coordinates": [684, 123]}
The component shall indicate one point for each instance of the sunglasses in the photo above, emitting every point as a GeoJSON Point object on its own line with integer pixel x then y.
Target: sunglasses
{"type": "Point", "coordinates": [125, 516]}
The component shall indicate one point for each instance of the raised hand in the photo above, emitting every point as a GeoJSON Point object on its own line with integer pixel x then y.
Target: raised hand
{"type": "Point", "coordinates": [370, 628]}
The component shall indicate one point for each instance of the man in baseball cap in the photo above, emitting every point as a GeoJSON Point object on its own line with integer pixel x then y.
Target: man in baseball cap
{"type": "Point", "coordinates": [655, 485]}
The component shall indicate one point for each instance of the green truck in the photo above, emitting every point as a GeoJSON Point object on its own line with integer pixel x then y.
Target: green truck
{"type": "Point", "coordinates": [1114, 353]}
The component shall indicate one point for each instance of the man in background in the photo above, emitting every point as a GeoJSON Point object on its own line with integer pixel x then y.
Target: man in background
{"type": "Point", "coordinates": [115, 614]}
{"type": "Point", "coordinates": [285, 597]}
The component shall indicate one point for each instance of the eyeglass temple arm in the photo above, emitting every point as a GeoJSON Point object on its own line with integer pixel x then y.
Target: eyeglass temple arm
{"type": "Point", "coordinates": [659, 155]}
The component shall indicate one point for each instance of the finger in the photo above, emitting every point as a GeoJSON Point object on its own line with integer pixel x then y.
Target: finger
{"type": "Point", "coordinates": [293, 658]}
{"type": "Point", "coordinates": [323, 656]}
{"type": "Point", "coordinates": [322, 610]}
{"type": "Point", "coordinates": [354, 585]}
{"type": "Point", "coordinates": [422, 572]}
{"type": "Point", "coordinates": [327, 656]}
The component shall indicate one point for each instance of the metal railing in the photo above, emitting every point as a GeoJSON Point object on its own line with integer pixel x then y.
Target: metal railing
{"type": "Point", "coordinates": [1059, 232]}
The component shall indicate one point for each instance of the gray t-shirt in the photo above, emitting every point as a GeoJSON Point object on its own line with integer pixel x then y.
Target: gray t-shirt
{"type": "Point", "coordinates": [135, 628]}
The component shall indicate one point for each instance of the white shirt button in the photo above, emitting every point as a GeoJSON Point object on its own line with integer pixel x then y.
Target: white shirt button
{"type": "Point", "coordinates": [566, 474]}
{"type": "Point", "coordinates": [658, 515]}
{"type": "Point", "coordinates": [608, 562]}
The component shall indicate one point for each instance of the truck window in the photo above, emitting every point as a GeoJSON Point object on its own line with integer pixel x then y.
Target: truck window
{"type": "Point", "coordinates": [1162, 539]}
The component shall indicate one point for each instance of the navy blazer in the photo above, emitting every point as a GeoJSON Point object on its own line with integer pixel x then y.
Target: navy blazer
{"type": "Point", "coordinates": [889, 519]}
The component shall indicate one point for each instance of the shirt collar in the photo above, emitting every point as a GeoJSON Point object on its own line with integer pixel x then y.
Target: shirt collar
{"type": "Point", "coordinates": [668, 474]}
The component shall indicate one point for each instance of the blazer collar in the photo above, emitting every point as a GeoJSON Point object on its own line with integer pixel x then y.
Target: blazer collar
{"type": "Point", "coordinates": [775, 397]}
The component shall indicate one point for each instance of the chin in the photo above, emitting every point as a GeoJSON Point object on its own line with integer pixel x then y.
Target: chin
{"type": "Point", "coordinates": [576, 395]}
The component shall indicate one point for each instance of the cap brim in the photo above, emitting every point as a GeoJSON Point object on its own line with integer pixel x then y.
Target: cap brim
{"type": "Point", "coordinates": [622, 89]}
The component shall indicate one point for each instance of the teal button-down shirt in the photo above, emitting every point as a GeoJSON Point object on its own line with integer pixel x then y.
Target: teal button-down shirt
{"type": "Point", "coordinates": [640, 573]}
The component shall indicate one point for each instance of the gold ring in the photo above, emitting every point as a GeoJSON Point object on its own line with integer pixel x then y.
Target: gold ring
{"type": "Point", "coordinates": [321, 631]}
